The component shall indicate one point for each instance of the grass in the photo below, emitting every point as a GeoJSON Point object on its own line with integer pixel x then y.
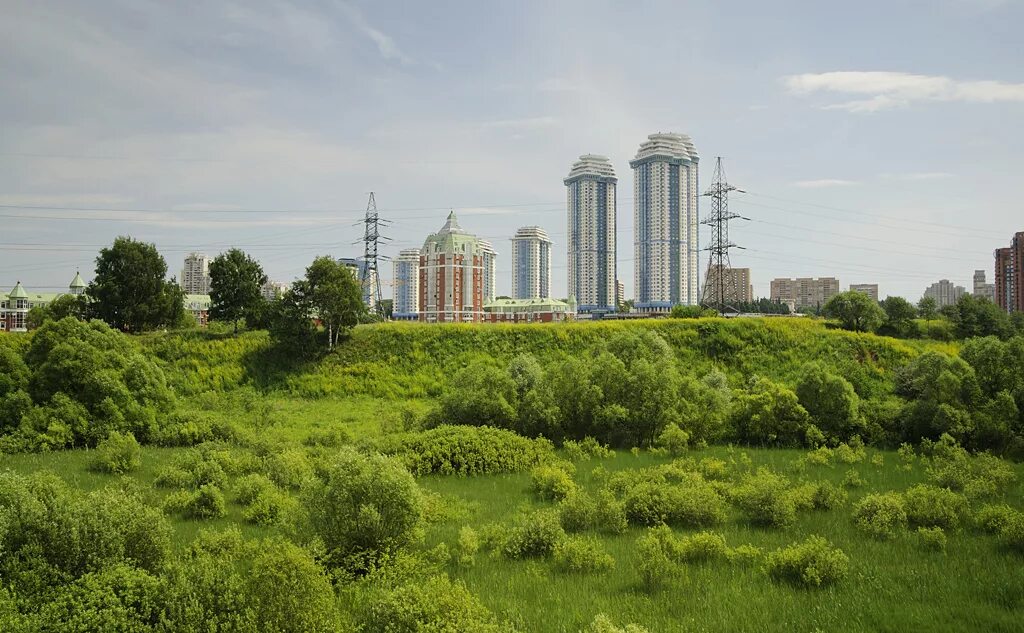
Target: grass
{"type": "Point", "coordinates": [892, 586]}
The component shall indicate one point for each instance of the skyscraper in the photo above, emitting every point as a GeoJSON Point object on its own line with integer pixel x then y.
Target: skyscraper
{"type": "Point", "coordinates": [531, 263]}
{"type": "Point", "coordinates": [870, 290]}
{"type": "Point", "coordinates": [195, 276]}
{"type": "Point", "coordinates": [406, 304]}
{"type": "Point", "coordinates": [358, 266]}
{"type": "Point", "coordinates": [983, 290]}
{"type": "Point", "coordinates": [1009, 288]}
{"type": "Point", "coordinates": [590, 205]}
{"type": "Point", "coordinates": [665, 223]}
{"type": "Point", "coordinates": [945, 292]}
{"type": "Point", "coordinates": [738, 278]}
{"type": "Point", "coordinates": [490, 258]}
{"type": "Point", "coordinates": [451, 275]}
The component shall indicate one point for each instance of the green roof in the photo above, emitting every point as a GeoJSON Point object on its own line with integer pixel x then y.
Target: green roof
{"type": "Point", "coordinates": [77, 282]}
{"type": "Point", "coordinates": [525, 303]}
{"type": "Point", "coordinates": [18, 292]}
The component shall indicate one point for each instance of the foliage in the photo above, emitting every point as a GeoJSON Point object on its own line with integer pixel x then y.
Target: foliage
{"type": "Point", "coordinates": [813, 563]}
{"type": "Point", "coordinates": [691, 312]}
{"type": "Point", "coordinates": [695, 503]}
{"type": "Point", "coordinates": [465, 450]}
{"type": "Point", "coordinates": [899, 316]}
{"type": "Point", "coordinates": [930, 506]}
{"type": "Point", "coordinates": [928, 308]}
{"type": "Point", "coordinates": [654, 565]}
{"type": "Point", "coordinates": [827, 496]}
{"type": "Point", "coordinates": [769, 414]}
{"type": "Point", "coordinates": [467, 546]}
{"type": "Point", "coordinates": [765, 500]}
{"type": "Point", "coordinates": [581, 555]}
{"type": "Point", "coordinates": [331, 293]}
{"type": "Point", "coordinates": [975, 316]}
{"type": "Point", "coordinates": [236, 282]}
{"type": "Point", "coordinates": [855, 311]}
{"type": "Point", "coordinates": [75, 306]}
{"type": "Point", "coordinates": [673, 439]}
{"type": "Point", "coordinates": [129, 291]}
{"type": "Point", "coordinates": [941, 390]}
{"type": "Point", "coordinates": [830, 400]}
{"type": "Point", "coordinates": [551, 481]}
{"type": "Point", "coordinates": [368, 507]}
{"type": "Point", "coordinates": [991, 518]}
{"type": "Point", "coordinates": [535, 535]}
{"type": "Point", "coordinates": [580, 511]}
{"type": "Point", "coordinates": [1011, 534]}
{"type": "Point", "coordinates": [882, 516]}
{"type": "Point", "coordinates": [604, 624]}
{"type": "Point", "coordinates": [436, 604]}
{"type": "Point", "coordinates": [289, 591]}
{"type": "Point", "coordinates": [117, 598]}
{"type": "Point", "coordinates": [932, 538]}
{"type": "Point", "coordinates": [118, 454]}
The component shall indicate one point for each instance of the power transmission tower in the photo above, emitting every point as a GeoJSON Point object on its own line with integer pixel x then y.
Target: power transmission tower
{"type": "Point", "coordinates": [720, 290]}
{"type": "Point", "coordinates": [371, 274]}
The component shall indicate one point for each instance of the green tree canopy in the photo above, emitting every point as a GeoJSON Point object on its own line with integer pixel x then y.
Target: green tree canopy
{"type": "Point", "coordinates": [974, 316]}
{"type": "Point", "coordinates": [130, 291]}
{"type": "Point", "coordinates": [855, 311]}
{"type": "Point", "coordinates": [235, 284]}
{"type": "Point", "coordinates": [899, 315]}
{"type": "Point", "coordinates": [331, 293]}
{"type": "Point", "coordinates": [928, 308]}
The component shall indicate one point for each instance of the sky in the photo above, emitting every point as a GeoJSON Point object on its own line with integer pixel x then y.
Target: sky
{"type": "Point", "coordinates": [877, 142]}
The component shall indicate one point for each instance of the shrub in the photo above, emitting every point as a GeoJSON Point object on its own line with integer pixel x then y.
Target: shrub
{"type": "Point", "coordinates": [604, 624]}
{"type": "Point", "coordinates": [828, 497]}
{"type": "Point", "coordinates": [991, 518]}
{"type": "Point", "coordinates": [812, 563]}
{"type": "Point", "coordinates": [819, 457]}
{"type": "Point", "coordinates": [852, 479]}
{"type": "Point", "coordinates": [288, 468]}
{"type": "Point", "coordinates": [269, 507]}
{"type": "Point", "coordinates": [852, 453]}
{"type": "Point", "coordinates": [694, 504]}
{"type": "Point", "coordinates": [465, 450]}
{"type": "Point", "coordinates": [436, 604]}
{"type": "Point", "coordinates": [535, 535]}
{"type": "Point", "coordinates": [764, 499]}
{"type": "Point", "coordinates": [329, 438]}
{"type": "Point", "coordinates": [369, 506]}
{"type": "Point", "coordinates": [207, 503]}
{"type": "Point", "coordinates": [653, 563]}
{"type": "Point", "coordinates": [551, 482]}
{"type": "Point", "coordinates": [582, 555]}
{"type": "Point", "coordinates": [673, 439]}
{"type": "Point", "coordinates": [288, 591]}
{"type": "Point", "coordinates": [830, 400]}
{"type": "Point", "coordinates": [118, 454]}
{"type": "Point", "coordinates": [769, 415]}
{"type": "Point", "coordinates": [700, 547]}
{"type": "Point", "coordinates": [929, 506]}
{"type": "Point", "coordinates": [249, 487]}
{"type": "Point", "coordinates": [118, 598]}
{"type": "Point", "coordinates": [881, 515]}
{"type": "Point", "coordinates": [577, 511]}
{"type": "Point", "coordinates": [713, 469]}
{"type": "Point", "coordinates": [932, 538]}
{"type": "Point", "coordinates": [467, 546]}
{"type": "Point", "coordinates": [743, 554]}
{"type": "Point", "coordinates": [1011, 535]}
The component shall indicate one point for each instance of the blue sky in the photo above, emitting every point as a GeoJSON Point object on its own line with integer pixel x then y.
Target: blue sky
{"type": "Point", "coordinates": [878, 141]}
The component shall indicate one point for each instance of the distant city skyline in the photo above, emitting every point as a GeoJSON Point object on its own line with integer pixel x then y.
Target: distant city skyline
{"type": "Point", "coordinates": [264, 125]}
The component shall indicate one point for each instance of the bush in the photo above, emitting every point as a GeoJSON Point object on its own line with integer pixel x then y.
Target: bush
{"type": "Point", "coordinates": [467, 546]}
{"type": "Point", "coordinates": [207, 503]}
{"type": "Point", "coordinates": [674, 440]}
{"type": "Point", "coordinates": [769, 415]}
{"type": "Point", "coordinates": [249, 487]}
{"type": "Point", "coordinates": [932, 538]}
{"type": "Point", "coordinates": [812, 563]}
{"type": "Point", "coordinates": [551, 482]}
{"type": "Point", "coordinates": [269, 507]}
{"type": "Point", "coordinates": [881, 515]}
{"type": "Point", "coordinates": [929, 506]}
{"type": "Point", "coordinates": [852, 479]}
{"type": "Point", "coordinates": [582, 555]}
{"type": "Point", "coordinates": [654, 565]}
{"type": "Point", "coordinates": [119, 598]}
{"type": "Point", "coordinates": [819, 457]}
{"type": "Point", "coordinates": [828, 496]}
{"type": "Point", "coordinates": [693, 504]}
{"type": "Point", "coordinates": [288, 591]}
{"type": "Point", "coordinates": [288, 468]}
{"type": "Point", "coordinates": [436, 604]}
{"type": "Point", "coordinates": [1011, 535]}
{"type": "Point", "coordinates": [830, 401]}
{"type": "Point", "coordinates": [579, 511]}
{"type": "Point", "coordinates": [604, 624]}
{"type": "Point", "coordinates": [118, 454]}
{"type": "Point", "coordinates": [992, 518]}
{"type": "Point", "coordinates": [701, 547]}
{"type": "Point", "coordinates": [465, 450]}
{"type": "Point", "coordinates": [534, 536]}
{"type": "Point", "coordinates": [764, 499]}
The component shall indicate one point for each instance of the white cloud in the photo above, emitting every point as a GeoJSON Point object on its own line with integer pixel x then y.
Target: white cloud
{"type": "Point", "coordinates": [824, 182]}
{"type": "Point", "coordinates": [887, 90]}
{"type": "Point", "coordinates": [386, 45]}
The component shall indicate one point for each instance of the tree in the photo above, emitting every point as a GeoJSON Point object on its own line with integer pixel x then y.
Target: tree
{"type": "Point", "coordinates": [63, 306]}
{"type": "Point", "coordinates": [928, 308]}
{"type": "Point", "coordinates": [974, 316]}
{"type": "Point", "coordinates": [331, 293]}
{"type": "Point", "coordinates": [899, 315]}
{"type": "Point", "coordinates": [626, 306]}
{"type": "Point", "coordinates": [769, 414]}
{"type": "Point", "coordinates": [855, 310]}
{"type": "Point", "coordinates": [235, 284]}
{"type": "Point", "coordinates": [830, 400]}
{"type": "Point", "coordinates": [130, 291]}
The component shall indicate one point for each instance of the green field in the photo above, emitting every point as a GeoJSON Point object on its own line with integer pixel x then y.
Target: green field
{"type": "Point", "coordinates": [385, 375]}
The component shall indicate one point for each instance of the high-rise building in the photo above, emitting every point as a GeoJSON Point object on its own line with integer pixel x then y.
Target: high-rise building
{"type": "Point", "coordinates": [195, 275]}
{"type": "Point", "coordinates": [590, 206]}
{"type": "Point", "coordinates": [406, 304]}
{"type": "Point", "coordinates": [451, 275]}
{"type": "Point", "coordinates": [870, 290]}
{"type": "Point", "coordinates": [274, 289]}
{"type": "Point", "coordinates": [945, 292]}
{"type": "Point", "coordinates": [983, 290]}
{"type": "Point", "coordinates": [358, 266]}
{"type": "Point", "coordinates": [804, 292]}
{"type": "Point", "coordinates": [531, 263]}
{"type": "Point", "coordinates": [665, 223]}
{"type": "Point", "coordinates": [620, 293]}
{"type": "Point", "coordinates": [490, 274]}
{"type": "Point", "coordinates": [1009, 284]}
{"type": "Point", "coordinates": [738, 278]}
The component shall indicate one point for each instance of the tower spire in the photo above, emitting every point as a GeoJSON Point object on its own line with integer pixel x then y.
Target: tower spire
{"type": "Point", "coordinates": [720, 290]}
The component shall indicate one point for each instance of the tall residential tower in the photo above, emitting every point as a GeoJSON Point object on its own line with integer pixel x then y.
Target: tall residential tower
{"type": "Point", "coordinates": [451, 275]}
{"type": "Point", "coordinates": [406, 304]}
{"type": "Point", "coordinates": [531, 263]}
{"type": "Point", "coordinates": [665, 223]}
{"type": "Point", "coordinates": [590, 191]}
{"type": "Point", "coordinates": [195, 275]}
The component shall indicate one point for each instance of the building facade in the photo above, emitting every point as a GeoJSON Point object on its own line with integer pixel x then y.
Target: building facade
{"type": "Point", "coordinates": [358, 266]}
{"type": "Point", "coordinates": [735, 278]}
{"type": "Point", "coordinates": [983, 290]}
{"type": "Point", "coordinates": [538, 310]}
{"type": "Point", "coordinates": [1009, 286]}
{"type": "Point", "coordinates": [490, 271]}
{"type": "Point", "coordinates": [870, 290]}
{"type": "Point", "coordinates": [274, 290]}
{"type": "Point", "coordinates": [620, 294]}
{"type": "Point", "coordinates": [804, 292]}
{"type": "Point", "coordinates": [945, 292]}
{"type": "Point", "coordinates": [406, 297]}
{"type": "Point", "coordinates": [531, 264]}
{"type": "Point", "coordinates": [14, 306]}
{"type": "Point", "coordinates": [451, 276]}
{"type": "Point", "coordinates": [665, 246]}
{"type": "Point", "coordinates": [590, 247]}
{"type": "Point", "coordinates": [195, 274]}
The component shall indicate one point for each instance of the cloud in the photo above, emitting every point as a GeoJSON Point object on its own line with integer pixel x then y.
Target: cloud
{"type": "Point", "coordinates": [824, 182]}
{"type": "Point", "coordinates": [923, 175]}
{"type": "Point", "coordinates": [888, 90]}
{"type": "Point", "coordinates": [386, 45]}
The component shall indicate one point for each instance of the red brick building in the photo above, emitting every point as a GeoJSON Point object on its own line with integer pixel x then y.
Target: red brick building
{"type": "Point", "coordinates": [451, 276]}
{"type": "Point", "coordinates": [1010, 275]}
